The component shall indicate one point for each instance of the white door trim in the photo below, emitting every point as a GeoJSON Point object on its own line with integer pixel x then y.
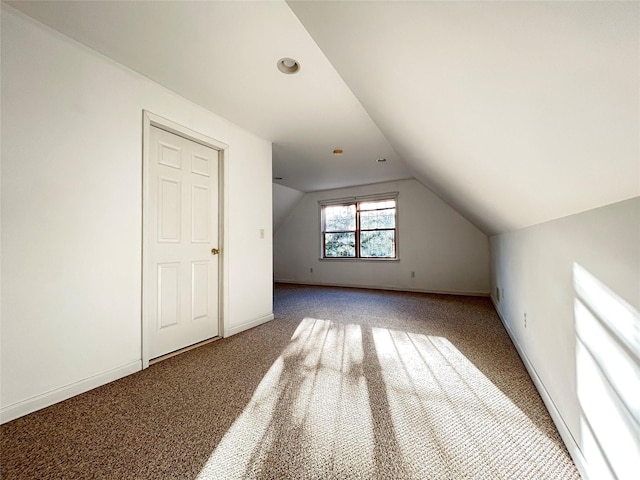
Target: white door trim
{"type": "Point", "coordinates": [152, 120]}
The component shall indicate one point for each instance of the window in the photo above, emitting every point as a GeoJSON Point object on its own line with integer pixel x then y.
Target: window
{"type": "Point", "coordinates": [363, 227]}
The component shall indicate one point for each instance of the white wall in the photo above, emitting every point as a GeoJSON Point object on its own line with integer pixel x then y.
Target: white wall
{"type": "Point", "coordinates": [71, 215]}
{"type": "Point", "coordinates": [446, 252]}
{"type": "Point", "coordinates": [534, 269]}
{"type": "Point", "coordinates": [284, 199]}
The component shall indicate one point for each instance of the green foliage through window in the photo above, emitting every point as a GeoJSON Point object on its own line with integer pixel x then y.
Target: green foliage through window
{"type": "Point", "coordinates": [356, 229]}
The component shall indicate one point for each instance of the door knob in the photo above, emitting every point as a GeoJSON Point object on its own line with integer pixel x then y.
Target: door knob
{"type": "Point", "coordinates": [215, 251]}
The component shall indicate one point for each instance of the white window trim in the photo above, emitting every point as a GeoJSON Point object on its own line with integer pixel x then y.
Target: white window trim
{"type": "Point", "coordinates": [360, 198]}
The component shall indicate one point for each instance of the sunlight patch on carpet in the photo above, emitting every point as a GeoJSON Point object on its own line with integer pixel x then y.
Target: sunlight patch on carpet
{"type": "Point", "coordinates": [311, 403]}
{"type": "Point", "coordinates": [444, 407]}
{"type": "Point", "coordinates": [352, 401]}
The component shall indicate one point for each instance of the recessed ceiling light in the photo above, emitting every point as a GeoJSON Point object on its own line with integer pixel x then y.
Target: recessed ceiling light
{"type": "Point", "coordinates": [277, 178]}
{"type": "Point", "coordinates": [337, 151]}
{"type": "Point", "coordinates": [288, 65]}
{"type": "Point", "coordinates": [381, 160]}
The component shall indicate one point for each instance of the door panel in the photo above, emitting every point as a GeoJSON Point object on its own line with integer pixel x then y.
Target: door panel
{"type": "Point", "coordinates": [181, 279]}
{"type": "Point", "coordinates": [199, 291]}
{"type": "Point", "coordinates": [169, 210]}
{"type": "Point", "coordinates": [200, 214]}
{"type": "Point", "coordinates": [168, 294]}
{"type": "Point", "coordinates": [200, 165]}
{"type": "Point", "coordinates": [170, 155]}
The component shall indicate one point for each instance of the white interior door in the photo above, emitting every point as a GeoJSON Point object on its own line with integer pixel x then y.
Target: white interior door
{"type": "Point", "coordinates": [181, 286]}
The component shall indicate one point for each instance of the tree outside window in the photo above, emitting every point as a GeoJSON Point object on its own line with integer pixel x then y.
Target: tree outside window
{"type": "Point", "coordinates": [359, 229]}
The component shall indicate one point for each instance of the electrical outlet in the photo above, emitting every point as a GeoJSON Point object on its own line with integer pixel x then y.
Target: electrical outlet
{"type": "Point", "coordinates": [525, 320]}
{"type": "Point", "coordinates": [413, 274]}
{"type": "Point", "coordinates": [311, 270]}
{"type": "Point", "coordinates": [262, 233]}
{"type": "Point", "coordinates": [498, 293]}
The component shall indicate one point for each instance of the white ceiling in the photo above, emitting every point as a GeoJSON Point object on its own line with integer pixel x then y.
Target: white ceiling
{"type": "Point", "coordinates": [222, 56]}
{"type": "Point", "coordinates": [514, 113]}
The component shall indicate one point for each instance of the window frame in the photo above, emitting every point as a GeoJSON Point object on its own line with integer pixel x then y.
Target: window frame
{"type": "Point", "coordinates": [356, 201]}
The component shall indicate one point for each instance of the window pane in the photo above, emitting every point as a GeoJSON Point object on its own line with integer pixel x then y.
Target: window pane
{"type": "Point", "coordinates": [378, 204]}
{"type": "Point", "coordinates": [339, 218]}
{"type": "Point", "coordinates": [339, 244]}
{"type": "Point", "coordinates": [378, 219]}
{"type": "Point", "coordinates": [377, 244]}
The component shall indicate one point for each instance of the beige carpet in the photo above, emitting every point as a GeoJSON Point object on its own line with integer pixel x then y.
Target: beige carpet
{"type": "Point", "coordinates": [344, 384]}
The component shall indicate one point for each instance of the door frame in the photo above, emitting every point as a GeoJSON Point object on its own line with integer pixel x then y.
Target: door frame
{"type": "Point", "coordinates": [153, 120]}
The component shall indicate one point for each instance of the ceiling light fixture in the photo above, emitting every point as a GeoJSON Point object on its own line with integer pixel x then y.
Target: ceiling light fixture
{"type": "Point", "coordinates": [337, 151]}
{"type": "Point", "coordinates": [381, 160]}
{"type": "Point", "coordinates": [288, 65]}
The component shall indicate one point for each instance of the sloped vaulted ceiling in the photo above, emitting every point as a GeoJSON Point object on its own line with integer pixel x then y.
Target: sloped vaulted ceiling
{"type": "Point", "coordinates": [515, 113]}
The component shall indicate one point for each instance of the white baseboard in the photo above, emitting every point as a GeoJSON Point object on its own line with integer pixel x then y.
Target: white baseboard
{"type": "Point", "coordinates": [247, 325]}
{"type": "Point", "coordinates": [563, 429]}
{"type": "Point", "coordinates": [386, 287]}
{"type": "Point", "coordinates": [24, 407]}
